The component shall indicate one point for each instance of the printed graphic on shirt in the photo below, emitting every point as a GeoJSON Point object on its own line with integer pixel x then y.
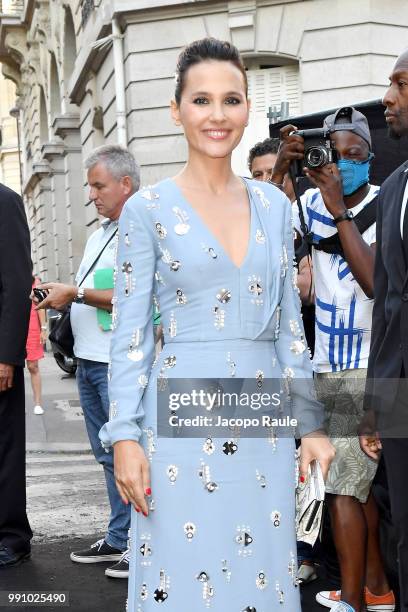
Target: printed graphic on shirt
{"type": "Point", "coordinates": [343, 311]}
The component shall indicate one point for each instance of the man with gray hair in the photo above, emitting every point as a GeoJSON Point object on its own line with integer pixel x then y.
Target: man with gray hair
{"type": "Point", "coordinates": [113, 176]}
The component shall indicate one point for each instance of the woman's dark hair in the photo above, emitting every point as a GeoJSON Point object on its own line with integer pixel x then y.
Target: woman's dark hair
{"type": "Point", "coordinates": [204, 50]}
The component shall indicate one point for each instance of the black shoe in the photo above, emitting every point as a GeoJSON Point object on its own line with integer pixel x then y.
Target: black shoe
{"type": "Point", "coordinates": [9, 558]}
{"type": "Point", "coordinates": [100, 551]}
{"type": "Point", "coordinates": [121, 568]}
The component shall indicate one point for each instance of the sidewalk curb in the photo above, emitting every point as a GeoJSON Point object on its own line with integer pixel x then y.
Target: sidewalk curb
{"type": "Point", "coordinates": [58, 447]}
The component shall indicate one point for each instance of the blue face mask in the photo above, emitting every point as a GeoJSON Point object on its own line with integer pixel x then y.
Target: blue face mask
{"type": "Point", "coordinates": [354, 173]}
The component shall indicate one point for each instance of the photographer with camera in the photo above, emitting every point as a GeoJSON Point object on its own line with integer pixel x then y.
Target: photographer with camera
{"type": "Point", "coordinates": [338, 222]}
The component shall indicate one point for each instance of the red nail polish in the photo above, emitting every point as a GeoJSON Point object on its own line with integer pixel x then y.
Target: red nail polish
{"type": "Point", "coordinates": [137, 509]}
{"type": "Point", "coordinates": [148, 491]}
{"type": "Point", "coordinates": [302, 478]}
{"type": "Point", "coordinates": [144, 513]}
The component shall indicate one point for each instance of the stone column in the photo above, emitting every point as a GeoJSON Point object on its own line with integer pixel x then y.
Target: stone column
{"type": "Point", "coordinates": [53, 152]}
{"type": "Point", "coordinates": [67, 128]}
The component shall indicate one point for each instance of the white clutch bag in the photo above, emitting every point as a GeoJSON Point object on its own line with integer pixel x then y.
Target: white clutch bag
{"type": "Point", "coordinates": [309, 505]}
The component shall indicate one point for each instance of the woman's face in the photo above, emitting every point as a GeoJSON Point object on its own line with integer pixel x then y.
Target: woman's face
{"type": "Point", "coordinates": [213, 108]}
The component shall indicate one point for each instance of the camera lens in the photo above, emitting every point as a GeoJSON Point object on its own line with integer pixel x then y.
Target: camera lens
{"type": "Point", "coordinates": [316, 157]}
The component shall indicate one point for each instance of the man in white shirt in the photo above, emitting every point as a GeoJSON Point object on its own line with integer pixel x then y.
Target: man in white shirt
{"type": "Point", "coordinates": [343, 298]}
{"type": "Point", "coordinates": [113, 176]}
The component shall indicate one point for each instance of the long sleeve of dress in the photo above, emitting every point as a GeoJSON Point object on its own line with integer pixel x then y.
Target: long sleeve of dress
{"type": "Point", "coordinates": [291, 345]}
{"type": "Point", "coordinates": [132, 346]}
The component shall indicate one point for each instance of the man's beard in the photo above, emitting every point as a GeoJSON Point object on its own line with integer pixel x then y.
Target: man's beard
{"type": "Point", "coordinates": [393, 134]}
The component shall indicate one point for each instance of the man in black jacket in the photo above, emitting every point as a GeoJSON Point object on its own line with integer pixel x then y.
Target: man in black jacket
{"type": "Point", "coordinates": [15, 287]}
{"type": "Point", "coordinates": [386, 393]}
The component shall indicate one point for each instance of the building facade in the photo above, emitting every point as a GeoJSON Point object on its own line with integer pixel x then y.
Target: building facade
{"type": "Point", "coordinates": [89, 72]}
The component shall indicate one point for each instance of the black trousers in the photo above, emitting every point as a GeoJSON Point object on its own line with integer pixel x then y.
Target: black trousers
{"type": "Point", "coordinates": [395, 452]}
{"type": "Point", "coordinates": [15, 531]}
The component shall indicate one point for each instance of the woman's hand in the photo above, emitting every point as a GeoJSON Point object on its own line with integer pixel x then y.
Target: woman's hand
{"type": "Point", "coordinates": [316, 445]}
{"type": "Point", "coordinates": [132, 474]}
{"type": "Point", "coordinates": [43, 336]}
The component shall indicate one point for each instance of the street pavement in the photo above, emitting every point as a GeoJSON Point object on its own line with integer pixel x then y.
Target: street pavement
{"type": "Point", "coordinates": [68, 507]}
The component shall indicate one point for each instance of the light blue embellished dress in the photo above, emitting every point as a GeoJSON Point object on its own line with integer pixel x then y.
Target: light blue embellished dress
{"type": "Point", "coordinates": [220, 534]}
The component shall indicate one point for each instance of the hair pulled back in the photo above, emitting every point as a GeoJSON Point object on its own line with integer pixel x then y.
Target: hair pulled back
{"type": "Point", "coordinates": [204, 50]}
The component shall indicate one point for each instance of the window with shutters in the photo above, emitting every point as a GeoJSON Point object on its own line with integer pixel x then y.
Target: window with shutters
{"type": "Point", "coordinates": [266, 87]}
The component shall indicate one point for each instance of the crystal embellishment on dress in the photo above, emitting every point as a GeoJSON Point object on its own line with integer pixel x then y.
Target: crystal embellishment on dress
{"type": "Point", "coordinates": [170, 361]}
{"type": "Point", "coordinates": [224, 296]}
{"type": "Point", "coordinates": [205, 475]}
{"type": "Point", "coordinates": [210, 251]}
{"type": "Point", "coordinates": [113, 409]}
{"type": "Point", "coordinates": [261, 479]}
{"type": "Point", "coordinates": [182, 227]}
{"type": "Point", "coordinates": [160, 593]}
{"type": "Point", "coordinates": [209, 446]}
{"type": "Point", "coordinates": [280, 593]}
{"type": "Point", "coordinates": [249, 609]}
{"type": "Point", "coordinates": [175, 265]}
{"type": "Point", "coordinates": [277, 324]}
{"type": "Point", "coordinates": [261, 581]}
{"type": "Point", "coordinates": [284, 261]}
{"type": "Point", "coordinates": [161, 230]}
{"type": "Point", "coordinates": [295, 328]}
{"type": "Point", "coordinates": [172, 326]}
{"type": "Point", "coordinates": [145, 550]}
{"type": "Point", "coordinates": [232, 365]}
{"type": "Point", "coordinates": [276, 518]}
{"type": "Point", "coordinates": [127, 270]}
{"type": "Point", "coordinates": [298, 347]}
{"type": "Point", "coordinates": [256, 289]}
{"type": "Point", "coordinates": [259, 375]}
{"type": "Point", "coordinates": [225, 570]}
{"type": "Point", "coordinates": [151, 447]}
{"type": "Point", "coordinates": [127, 240]}
{"type": "Point", "coordinates": [244, 540]}
{"type": "Point", "coordinates": [134, 353]}
{"type": "Point", "coordinates": [219, 317]}
{"type": "Point", "coordinates": [189, 530]}
{"type": "Point", "coordinates": [181, 297]}
{"type": "Point", "coordinates": [144, 593]}
{"type": "Point", "coordinates": [208, 590]}
{"type": "Point", "coordinates": [143, 380]}
{"type": "Point", "coordinates": [150, 195]}
{"type": "Point", "coordinates": [264, 200]}
{"type": "Point", "coordinates": [159, 278]}
{"type": "Point", "coordinates": [292, 569]}
{"type": "Point", "coordinates": [230, 447]}
{"type": "Point", "coordinates": [172, 473]}
{"type": "Point", "coordinates": [260, 237]}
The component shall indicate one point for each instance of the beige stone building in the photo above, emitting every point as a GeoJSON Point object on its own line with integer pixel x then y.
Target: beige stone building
{"type": "Point", "coordinates": [93, 71]}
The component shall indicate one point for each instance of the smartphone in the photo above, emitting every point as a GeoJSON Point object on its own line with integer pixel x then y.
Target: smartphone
{"type": "Point", "coordinates": [40, 294]}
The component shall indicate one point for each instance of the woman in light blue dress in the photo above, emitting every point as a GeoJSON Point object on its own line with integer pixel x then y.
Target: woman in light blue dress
{"type": "Point", "coordinates": [215, 252]}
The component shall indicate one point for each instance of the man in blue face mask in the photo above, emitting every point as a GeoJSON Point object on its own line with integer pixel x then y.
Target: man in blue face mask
{"type": "Point", "coordinates": [344, 292]}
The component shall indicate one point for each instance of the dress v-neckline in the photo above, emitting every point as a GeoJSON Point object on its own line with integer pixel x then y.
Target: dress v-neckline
{"type": "Point", "coordinates": [211, 233]}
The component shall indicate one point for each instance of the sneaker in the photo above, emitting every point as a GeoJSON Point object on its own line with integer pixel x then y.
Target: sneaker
{"type": "Point", "coordinates": [306, 573]}
{"type": "Point", "coordinates": [379, 603]}
{"type": "Point", "coordinates": [329, 598]}
{"type": "Point", "coordinates": [121, 568]}
{"type": "Point", "coordinates": [342, 606]}
{"type": "Point", "coordinates": [38, 410]}
{"type": "Point", "coordinates": [97, 553]}
{"type": "Point", "coordinates": [375, 603]}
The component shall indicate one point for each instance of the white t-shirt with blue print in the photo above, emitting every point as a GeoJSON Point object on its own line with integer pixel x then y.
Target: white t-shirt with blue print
{"type": "Point", "coordinates": [343, 311]}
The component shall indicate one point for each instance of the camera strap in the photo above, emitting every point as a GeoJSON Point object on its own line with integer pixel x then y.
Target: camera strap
{"type": "Point", "coordinates": [363, 220]}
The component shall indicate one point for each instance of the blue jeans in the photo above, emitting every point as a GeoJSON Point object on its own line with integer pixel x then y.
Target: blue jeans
{"type": "Point", "coordinates": [92, 379]}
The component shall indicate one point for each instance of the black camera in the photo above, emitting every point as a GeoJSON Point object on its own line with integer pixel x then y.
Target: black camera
{"type": "Point", "coordinates": [40, 294]}
{"type": "Point", "coordinates": [319, 150]}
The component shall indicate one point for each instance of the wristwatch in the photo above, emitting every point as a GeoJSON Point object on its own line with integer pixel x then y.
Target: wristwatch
{"type": "Point", "coordinates": [346, 216]}
{"type": "Point", "coordinates": [80, 296]}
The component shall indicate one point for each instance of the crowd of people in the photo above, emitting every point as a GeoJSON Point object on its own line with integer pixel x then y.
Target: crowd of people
{"type": "Point", "coordinates": [211, 520]}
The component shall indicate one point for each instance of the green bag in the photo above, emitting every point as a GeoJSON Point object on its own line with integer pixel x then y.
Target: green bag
{"type": "Point", "coordinates": [103, 279]}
